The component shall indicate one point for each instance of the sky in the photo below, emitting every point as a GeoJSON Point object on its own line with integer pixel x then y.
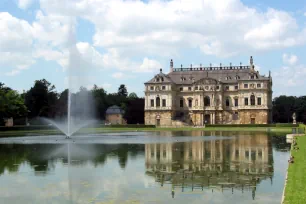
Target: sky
{"type": "Point", "coordinates": [128, 41]}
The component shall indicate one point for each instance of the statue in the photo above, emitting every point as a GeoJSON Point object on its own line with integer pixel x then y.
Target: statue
{"type": "Point", "coordinates": [294, 118]}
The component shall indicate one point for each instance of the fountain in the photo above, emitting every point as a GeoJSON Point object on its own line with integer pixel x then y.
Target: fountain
{"type": "Point", "coordinates": [80, 102]}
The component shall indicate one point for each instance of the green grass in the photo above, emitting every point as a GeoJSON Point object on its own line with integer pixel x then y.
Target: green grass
{"type": "Point", "coordinates": [107, 129]}
{"type": "Point", "coordinates": [295, 192]}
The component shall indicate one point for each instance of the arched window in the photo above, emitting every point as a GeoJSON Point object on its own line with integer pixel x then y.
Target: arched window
{"type": "Point", "coordinates": [206, 101]}
{"type": "Point", "coordinates": [252, 100]}
{"type": "Point", "coordinates": [157, 102]}
{"type": "Point", "coordinates": [227, 102]}
{"type": "Point", "coordinates": [237, 77]}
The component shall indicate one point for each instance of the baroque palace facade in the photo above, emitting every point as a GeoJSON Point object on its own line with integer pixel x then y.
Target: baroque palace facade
{"type": "Point", "coordinates": [209, 95]}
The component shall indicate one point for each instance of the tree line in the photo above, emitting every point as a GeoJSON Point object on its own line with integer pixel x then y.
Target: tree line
{"type": "Point", "coordinates": [42, 100]}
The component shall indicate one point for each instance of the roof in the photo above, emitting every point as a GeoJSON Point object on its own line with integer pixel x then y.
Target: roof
{"type": "Point", "coordinates": [114, 110]}
{"type": "Point", "coordinates": [223, 75]}
{"type": "Point", "coordinates": [160, 78]}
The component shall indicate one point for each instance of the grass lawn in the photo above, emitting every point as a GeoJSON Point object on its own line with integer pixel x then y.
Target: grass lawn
{"type": "Point", "coordinates": [124, 129]}
{"type": "Point", "coordinates": [295, 192]}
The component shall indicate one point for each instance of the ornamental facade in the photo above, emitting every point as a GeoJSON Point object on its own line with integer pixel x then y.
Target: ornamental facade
{"type": "Point", "coordinates": [208, 95]}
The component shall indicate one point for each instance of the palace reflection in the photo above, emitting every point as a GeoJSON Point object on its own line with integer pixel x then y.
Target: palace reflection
{"type": "Point", "coordinates": [240, 163]}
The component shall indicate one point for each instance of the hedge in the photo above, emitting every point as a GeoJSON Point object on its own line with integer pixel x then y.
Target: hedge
{"type": "Point", "coordinates": [253, 125]}
{"type": "Point", "coordinates": [131, 126]}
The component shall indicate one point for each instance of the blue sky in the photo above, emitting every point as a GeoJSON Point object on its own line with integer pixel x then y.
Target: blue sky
{"type": "Point", "coordinates": [129, 41]}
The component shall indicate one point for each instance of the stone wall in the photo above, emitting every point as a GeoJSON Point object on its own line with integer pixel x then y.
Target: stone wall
{"type": "Point", "coordinates": [260, 116]}
{"type": "Point", "coordinates": [165, 117]}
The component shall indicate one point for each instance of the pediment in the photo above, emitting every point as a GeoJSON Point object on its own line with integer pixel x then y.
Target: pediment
{"type": "Point", "coordinates": [206, 81]}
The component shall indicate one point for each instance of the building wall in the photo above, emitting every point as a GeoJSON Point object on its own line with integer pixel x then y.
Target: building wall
{"type": "Point", "coordinates": [165, 118]}
{"type": "Point", "coordinates": [115, 119]}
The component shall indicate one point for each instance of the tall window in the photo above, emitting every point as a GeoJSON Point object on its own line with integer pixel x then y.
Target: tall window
{"type": "Point", "coordinates": [181, 88]}
{"type": "Point", "coordinates": [189, 88]}
{"type": "Point", "coordinates": [259, 101]}
{"type": "Point", "coordinates": [258, 85]}
{"type": "Point", "coordinates": [157, 102]}
{"type": "Point", "coordinates": [181, 103]}
{"type": "Point", "coordinates": [227, 102]}
{"type": "Point", "coordinates": [163, 87]}
{"type": "Point", "coordinates": [252, 100]}
{"type": "Point", "coordinates": [236, 87]}
{"type": "Point", "coordinates": [236, 102]}
{"type": "Point", "coordinates": [227, 88]}
{"type": "Point", "coordinates": [246, 101]}
{"type": "Point", "coordinates": [246, 86]}
{"type": "Point", "coordinates": [152, 102]}
{"type": "Point", "coordinates": [164, 102]}
{"type": "Point", "coordinates": [190, 103]}
{"type": "Point", "coordinates": [206, 101]}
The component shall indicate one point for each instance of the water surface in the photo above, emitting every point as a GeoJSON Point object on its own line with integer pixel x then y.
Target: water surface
{"type": "Point", "coordinates": [156, 167]}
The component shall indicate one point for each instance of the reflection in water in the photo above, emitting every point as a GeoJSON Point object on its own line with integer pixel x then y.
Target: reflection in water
{"type": "Point", "coordinates": [156, 172]}
{"type": "Point", "coordinates": [239, 163]}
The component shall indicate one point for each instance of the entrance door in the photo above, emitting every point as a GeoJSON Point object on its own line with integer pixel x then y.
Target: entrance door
{"type": "Point", "coordinates": [207, 119]}
{"type": "Point", "coordinates": [157, 122]}
{"type": "Point", "coordinates": [252, 120]}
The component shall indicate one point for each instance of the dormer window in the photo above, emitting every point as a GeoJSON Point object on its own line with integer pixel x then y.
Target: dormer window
{"type": "Point", "coordinates": [157, 80]}
{"type": "Point", "coordinates": [228, 78]}
{"type": "Point", "coordinates": [162, 78]}
{"type": "Point", "coordinates": [237, 77]}
{"type": "Point", "coordinates": [183, 79]}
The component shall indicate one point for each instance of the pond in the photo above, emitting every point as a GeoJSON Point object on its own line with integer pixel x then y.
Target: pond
{"type": "Point", "coordinates": [144, 167]}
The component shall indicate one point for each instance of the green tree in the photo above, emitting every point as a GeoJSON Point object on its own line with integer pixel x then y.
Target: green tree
{"type": "Point", "coordinates": [122, 91]}
{"type": "Point", "coordinates": [133, 96]}
{"type": "Point", "coordinates": [11, 103]}
{"type": "Point", "coordinates": [41, 99]}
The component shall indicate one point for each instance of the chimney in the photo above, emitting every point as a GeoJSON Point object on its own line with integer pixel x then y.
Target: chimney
{"type": "Point", "coordinates": [171, 65]}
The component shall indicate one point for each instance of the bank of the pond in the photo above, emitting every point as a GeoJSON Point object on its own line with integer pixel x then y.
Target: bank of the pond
{"type": "Point", "coordinates": [283, 130]}
{"type": "Point", "coordinates": [295, 188]}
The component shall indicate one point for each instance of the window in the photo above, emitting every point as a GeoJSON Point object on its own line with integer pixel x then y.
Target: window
{"type": "Point", "coordinates": [258, 85]}
{"type": "Point", "coordinates": [157, 80]}
{"type": "Point", "coordinates": [236, 87]}
{"type": "Point", "coordinates": [236, 102]}
{"type": "Point", "coordinates": [217, 87]}
{"type": "Point", "coordinates": [227, 102]}
{"type": "Point", "coordinates": [157, 102]}
{"type": "Point", "coordinates": [252, 77]}
{"type": "Point", "coordinates": [235, 116]}
{"type": "Point", "coordinates": [163, 87]}
{"type": "Point", "coordinates": [246, 86]}
{"type": "Point", "coordinates": [164, 102]}
{"type": "Point", "coordinates": [206, 101]}
{"type": "Point", "coordinates": [181, 88]}
{"type": "Point", "coordinates": [196, 88]}
{"type": "Point", "coordinates": [237, 77]}
{"type": "Point", "coordinates": [162, 79]}
{"type": "Point", "coordinates": [259, 101]}
{"type": "Point", "coordinates": [227, 88]}
{"type": "Point", "coordinates": [246, 101]}
{"type": "Point", "coordinates": [151, 88]}
{"type": "Point", "coordinates": [152, 102]}
{"type": "Point", "coordinates": [189, 103]}
{"type": "Point", "coordinates": [189, 88]}
{"type": "Point", "coordinates": [252, 100]}
{"type": "Point", "coordinates": [181, 103]}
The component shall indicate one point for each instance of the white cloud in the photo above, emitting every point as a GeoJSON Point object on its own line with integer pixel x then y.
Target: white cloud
{"type": "Point", "coordinates": [290, 79]}
{"type": "Point", "coordinates": [106, 85]}
{"type": "Point", "coordinates": [290, 59]}
{"type": "Point", "coordinates": [24, 4]}
{"type": "Point", "coordinates": [118, 75]}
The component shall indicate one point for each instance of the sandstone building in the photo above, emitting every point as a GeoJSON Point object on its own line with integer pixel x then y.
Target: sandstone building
{"type": "Point", "coordinates": [209, 95]}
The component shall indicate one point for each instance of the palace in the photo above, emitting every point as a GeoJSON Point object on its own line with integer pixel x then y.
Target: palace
{"type": "Point", "coordinates": [208, 95]}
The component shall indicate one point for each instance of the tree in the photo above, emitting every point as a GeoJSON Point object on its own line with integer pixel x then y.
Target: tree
{"type": "Point", "coordinates": [41, 99]}
{"type": "Point", "coordinates": [122, 91]}
{"type": "Point", "coordinates": [133, 96]}
{"type": "Point", "coordinates": [11, 103]}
